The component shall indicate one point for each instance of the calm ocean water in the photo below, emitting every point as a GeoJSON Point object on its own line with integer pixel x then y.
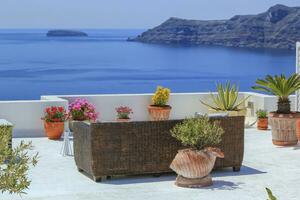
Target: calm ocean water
{"type": "Point", "coordinates": [32, 65]}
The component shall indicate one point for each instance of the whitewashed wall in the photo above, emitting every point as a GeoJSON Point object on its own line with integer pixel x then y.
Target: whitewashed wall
{"type": "Point", "coordinates": [26, 115]}
{"type": "Point", "coordinates": [183, 104]}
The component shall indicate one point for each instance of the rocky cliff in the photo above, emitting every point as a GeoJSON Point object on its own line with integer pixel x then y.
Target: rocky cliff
{"type": "Point", "coordinates": [278, 27]}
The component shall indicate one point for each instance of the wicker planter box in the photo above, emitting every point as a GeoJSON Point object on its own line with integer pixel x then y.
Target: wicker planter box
{"type": "Point", "coordinates": [116, 148]}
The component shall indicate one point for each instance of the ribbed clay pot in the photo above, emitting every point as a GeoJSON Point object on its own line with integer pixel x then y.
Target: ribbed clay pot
{"type": "Point", "coordinates": [158, 113]}
{"type": "Point", "coordinates": [262, 124]}
{"type": "Point", "coordinates": [193, 167]}
{"type": "Point", "coordinates": [284, 128]}
{"type": "Point", "coordinates": [54, 130]}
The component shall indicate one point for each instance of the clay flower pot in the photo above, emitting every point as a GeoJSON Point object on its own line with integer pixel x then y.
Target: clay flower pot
{"type": "Point", "coordinates": [54, 130]}
{"type": "Point", "coordinates": [298, 129]}
{"type": "Point", "coordinates": [193, 167]}
{"type": "Point", "coordinates": [123, 120]}
{"type": "Point", "coordinates": [262, 124]}
{"type": "Point", "coordinates": [158, 113]}
{"type": "Point", "coordinates": [284, 128]}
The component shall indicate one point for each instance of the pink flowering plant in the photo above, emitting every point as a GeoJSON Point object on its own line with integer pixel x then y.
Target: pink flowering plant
{"type": "Point", "coordinates": [82, 110]}
{"type": "Point", "coordinates": [123, 112]}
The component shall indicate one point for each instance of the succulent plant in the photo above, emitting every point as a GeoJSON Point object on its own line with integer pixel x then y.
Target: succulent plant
{"type": "Point", "coordinates": [226, 99]}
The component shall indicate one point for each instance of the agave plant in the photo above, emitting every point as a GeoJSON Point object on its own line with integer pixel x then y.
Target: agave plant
{"type": "Point", "coordinates": [280, 86]}
{"type": "Point", "coordinates": [226, 99]}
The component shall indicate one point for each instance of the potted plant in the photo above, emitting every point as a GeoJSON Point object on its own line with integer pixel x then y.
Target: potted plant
{"type": "Point", "coordinates": [193, 165]}
{"type": "Point", "coordinates": [226, 100]}
{"type": "Point", "coordinates": [262, 119]}
{"type": "Point", "coordinates": [82, 110]}
{"type": "Point", "coordinates": [54, 120]}
{"type": "Point", "coordinates": [159, 110]}
{"type": "Point", "coordinates": [123, 113]}
{"type": "Point", "coordinates": [282, 121]}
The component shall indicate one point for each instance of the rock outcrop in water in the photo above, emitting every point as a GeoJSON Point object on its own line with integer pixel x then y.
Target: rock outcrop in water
{"type": "Point", "coordinates": [278, 27]}
{"type": "Point", "coordinates": [66, 33]}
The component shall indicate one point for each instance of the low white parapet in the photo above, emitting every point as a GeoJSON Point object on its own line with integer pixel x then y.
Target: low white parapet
{"type": "Point", "coordinates": [26, 115]}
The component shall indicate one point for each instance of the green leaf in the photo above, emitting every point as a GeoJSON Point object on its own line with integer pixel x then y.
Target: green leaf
{"type": "Point", "coordinates": [270, 194]}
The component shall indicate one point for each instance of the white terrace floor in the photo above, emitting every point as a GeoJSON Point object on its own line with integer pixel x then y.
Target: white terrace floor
{"type": "Point", "coordinates": [56, 177]}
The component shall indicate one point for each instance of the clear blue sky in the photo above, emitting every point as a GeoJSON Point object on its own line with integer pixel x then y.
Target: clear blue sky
{"type": "Point", "coordinates": [121, 13]}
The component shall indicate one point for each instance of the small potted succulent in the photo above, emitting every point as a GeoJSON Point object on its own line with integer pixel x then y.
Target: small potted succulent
{"type": "Point", "coordinates": [283, 121]}
{"type": "Point", "coordinates": [123, 113]}
{"type": "Point", "coordinates": [82, 110]}
{"type": "Point", "coordinates": [54, 120]}
{"type": "Point", "coordinates": [262, 119]}
{"type": "Point", "coordinates": [159, 110]}
{"type": "Point", "coordinates": [226, 100]}
{"type": "Point", "coordinates": [193, 165]}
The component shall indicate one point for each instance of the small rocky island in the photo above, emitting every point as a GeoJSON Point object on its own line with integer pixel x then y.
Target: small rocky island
{"type": "Point", "coordinates": [278, 27]}
{"type": "Point", "coordinates": [66, 33]}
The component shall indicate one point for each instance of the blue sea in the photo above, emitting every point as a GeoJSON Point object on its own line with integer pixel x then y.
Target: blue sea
{"type": "Point", "coordinates": [32, 65]}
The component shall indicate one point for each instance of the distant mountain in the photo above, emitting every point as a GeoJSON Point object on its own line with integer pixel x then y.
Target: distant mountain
{"type": "Point", "coordinates": [66, 33]}
{"type": "Point", "coordinates": [278, 27]}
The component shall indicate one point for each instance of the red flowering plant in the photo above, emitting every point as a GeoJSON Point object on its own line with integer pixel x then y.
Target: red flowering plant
{"type": "Point", "coordinates": [123, 112]}
{"type": "Point", "coordinates": [55, 114]}
{"type": "Point", "coordinates": [82, 110]}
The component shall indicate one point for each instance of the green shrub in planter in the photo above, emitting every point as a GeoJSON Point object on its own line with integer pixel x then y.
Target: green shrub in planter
{"type": "Point", "coordinates": [198, 132]}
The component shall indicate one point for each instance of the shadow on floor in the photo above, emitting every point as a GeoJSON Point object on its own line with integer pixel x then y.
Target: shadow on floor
{"type": "Point", "coordinates": [297, 147]}
{"type": "Point", "coordinates": [124, 180]}
{"type": "Point", "coordinates": [244, 171]}
{"type": "Point", "coordinates": [224, 185]}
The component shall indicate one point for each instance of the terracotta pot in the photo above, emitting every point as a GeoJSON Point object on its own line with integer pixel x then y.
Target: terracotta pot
{"type": "Point", "coordinates": [158, 113]}
{"type": "Point", "coordinates": [284, 128]}
{"type": "Point", "coordinates": [193, 167]}
{"type": "Point", "coordinates": [54, 130]}
{"type": "Point", "coordinates": [298, 129]}
{"type": "Point", "coordinates": [123, 120]}
{"type": "Point", "coordinates": [262, 124]}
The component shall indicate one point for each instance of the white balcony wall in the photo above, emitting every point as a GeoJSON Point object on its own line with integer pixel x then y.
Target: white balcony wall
{"type": "Point", "coordinates": [26, 115]}
{"type": "Point", "coordinates": [183, 104]}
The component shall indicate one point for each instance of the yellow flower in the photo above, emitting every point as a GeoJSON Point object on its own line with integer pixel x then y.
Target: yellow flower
{"type": "Point", "coordinates": [161, 96]}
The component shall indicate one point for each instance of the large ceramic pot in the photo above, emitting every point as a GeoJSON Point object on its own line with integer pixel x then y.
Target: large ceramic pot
{"type": "Point", "coordinates": [193, 167]}
{"type": "Point", "coordinates": [284, 128]}
{"type": "Point", "coordinates": [262, 124]}
{"type": "Point", "coordinates": [298, 129]}
{"type": "Point", "coordinates": [158, 113]}
{"type": "Point", "coordinates": [54, 130]}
